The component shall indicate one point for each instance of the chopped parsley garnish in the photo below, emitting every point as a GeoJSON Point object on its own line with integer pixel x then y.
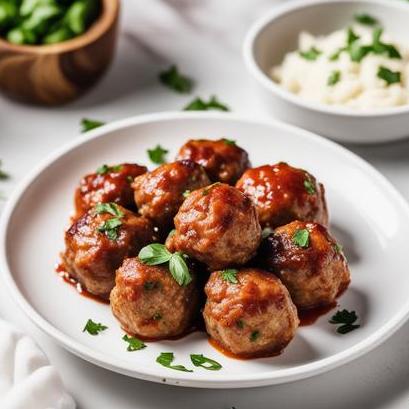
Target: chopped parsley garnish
{"type": "Point", "coordinates": [157, 316]}
{"type": "Point", "coordinates": [3, 175]}
{"type": "Point", "coordinates": [111, 208]}
{"type": "Point", "coordinates": [333, 78]}
{"type": "Point", "coordinates": [301, 238]}
{"type": "Point", "coordinates": [311, 55]}
{"type": "Point", "coordinates": [199, 104]}
{"type": "Point", "coordinates": [173, 79]}
{"type": "Point", "coordinates": [186, 193]}
{"type": "Point", "coordinates": [357, 52]}
{"type": "Point", "coordinates": [157, 155]}
{"type": "Point", "coordinates": [266, 232]}
{"type": "Point", "coordinates": [229, 141]}
{"type": "Point", "coordinates": [309, 186]}
{"type": "Point", "coordinates": [230, 275]}
{"type": "Point", "coordinates": [89, 124]}
{"type": "Point", "coordinates": [336, 54]}
{"type": "Point", "coordinates": [338, 248]}
{"type": "Point", "coordinates": [366, 19]}
{"type": "Point", "coordinates": [156, 253]}
{"type": "Point", "coordinates": [94, 328]}
{"type": "Point", "coordinates": [351, 36]}
{"type": "Point", "coordinates": [204, 362]}
{"type": "Point", "coordinates": [110, 228]}
{"type": "Point", "coordinates": [378, 47]}
{"type": "Point", "coordinates": [391, 77]}
{"type": "Point", "coordinates": [254, 335]}
{"type": "Point", "coordinates": [134, 344]}
{"type": "Point", "coordinates": [166, 358]}
{"type": "Point", "coordinates": [104, 169]}
{"type": "Point", "coordinates": [346, 319]}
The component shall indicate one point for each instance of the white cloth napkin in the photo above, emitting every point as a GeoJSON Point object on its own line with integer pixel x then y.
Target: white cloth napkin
{"type": "Point", "coordinates": [27, 380]}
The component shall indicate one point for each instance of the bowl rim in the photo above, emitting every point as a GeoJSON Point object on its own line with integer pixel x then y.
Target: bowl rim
{"type": "Point", "coordinates": [266, 82]}
{"type": "Point", "coordinates": [107, 18]}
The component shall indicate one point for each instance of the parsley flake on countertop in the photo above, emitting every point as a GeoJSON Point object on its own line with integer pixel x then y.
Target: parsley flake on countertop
{"type": "Point", "coordinates": [89, 124]}
{"type": "Point", "coordinates": [391, 77]}
{"type": "Point", "coordinates": [301, 238]}
{"type": "Point", "coordinates": [166, 358]}
{"type": "Point", "coordinates": [199, 104]}
{"type": "Point", "coordinates": [311, 55]}
{"type": "Point", "coordinates": [230, 275]}
{"type": "Point", "coordinates": [173, 79]}
{"type": "Point", "coordinates": [134, 344]}
{"type": "Point", "coordinates": [366, 19]}
{"type": "Point", "coordinates": [157, 155]}
{"type": "Point", "coordinates": [204, 362]}
{"type": "Point", "coordinates": [94, 328]}
{"type": "Point", "coordinates": [346, 319]}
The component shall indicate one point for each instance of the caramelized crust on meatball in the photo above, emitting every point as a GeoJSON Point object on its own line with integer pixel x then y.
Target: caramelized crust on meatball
{"type": "Point", "coordinates": [282, 194]}
{"type": "Point", "coordinates": [92, 257]}
{"type": "Point", "coordinates": [251, 317]}
{"type": "Point", "coordinates": [218, 226]}
{"type": "Point", "coordinates": [308, 261]}
{"type": "Point", "coordinates": [223, 160]}
{"type": "Point", "coordinates": [108, 184]}
{"type": "Point", "coordinates": [159, 194]}
{"type": "Point", "coordinates": [149, 303]}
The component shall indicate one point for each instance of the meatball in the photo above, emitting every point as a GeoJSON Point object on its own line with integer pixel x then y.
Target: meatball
{"type": "Point", "coordinates": [97, 243]}
{"type": "Point", "coordinates": [149, 303]}
{"type": "Point", "coordinates": [251, 314]}
{"type": "Point", "coordinates": [223, 160]}
{"type": "Point", "coordinates": [108, 184]}
{"type": "Point", "coordinates": [218, 226]}
{"type": "Point", "coordinates": [159, 194]}
{"type": "Point", "coordinates": [282, 194]}
{"type": "Point", "coordinates": [308, 261]}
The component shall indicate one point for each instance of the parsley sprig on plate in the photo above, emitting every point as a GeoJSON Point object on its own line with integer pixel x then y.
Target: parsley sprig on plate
{"type": "Point", "coordinates": [94, 328]}
{"type": "Point", "coordinates": [346, 321]}
{"type": "Point", "coordinates": [166, 358]}
{"type": "Point", "coordinates": [89, 124]}
{"type": "Point", "coordinates": [157, 155]}
{"type": "Point", "coordinates": [134, 344]}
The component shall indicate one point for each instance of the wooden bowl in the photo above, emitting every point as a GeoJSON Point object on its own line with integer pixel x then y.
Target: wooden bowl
{"type": "Point", "coordinates": [58, 73]}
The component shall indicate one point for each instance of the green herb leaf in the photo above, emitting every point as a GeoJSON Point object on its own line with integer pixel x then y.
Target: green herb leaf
{"type": "Point", "coordinates": [173, 79]}
{"type": "Point", "coordinates": [391, 77]}
{"type": "Point", "coordinates": [154, 254]}
{"type": "Point", "coordinates": [199, 104]}
{"type": "Point", "coordinates": [186, 193]}
{"type": "Point", "coordinates": [230, 275]}
{"type": "Point", "coordinates": [301, 238]}
{"type": "Point", "coordinates": [3, 174]}
{"type": "Point", "coordinates": [333, 78]}
{"type": "Point", "coordinates": [266, 232]}
{"type": "Point", "coordinates": [204, 362]}
{"type": "Point", "coordinates": [312, 54]}
{"type": "Point", "coordinates": [179, 269]}
{"type": "Point", "coordinates": [366, 19]}
{"type": "Point", "coordinates": [254, 335]}
{"type": "Point", "coordinates": [357, 52]}
{"type": "Point", "coordinates": [111, 208]}
{"type": "Point", "coordinates": [351, 36]}
{"type": "Point", "coordinates": [104, 169]}
{"type": "Point", "coordinates": [157, 155]}
{"type": "Point", "coordinates": [157, 316]}
{"type": "Point", "coordinates": [134, 344]}
{"type": "Point", "coordinates": [94, 328]}
{"type": "Point", "coordinates": [309, 186]}
{"type": "Point", "coordinates": [347, 320]}
{"type": "Point", "coordinates": [229, 141]}
{"type": "Point", "coordinates": [166, 358]}
{"type": "Point", "coordinates": [110, 228]}
{"type": "Point", "coordinates": [89, 124]}
{"type": "Point", "coordinates": [338, 248]}
{"type": "Point", "coordinates": [379, 47]}
{"type": "Point", "coordinates": [336, 54]}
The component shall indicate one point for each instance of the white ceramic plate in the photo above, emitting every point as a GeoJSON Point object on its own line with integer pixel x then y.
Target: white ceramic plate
{"type": "Point", "coordinates": [367, 215]}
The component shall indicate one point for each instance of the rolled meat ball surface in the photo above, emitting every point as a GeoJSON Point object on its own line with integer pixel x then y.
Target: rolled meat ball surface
{"type": "Point", "coordinates": [97, 243]}
{"type": "Point", "coordinates": [218, 226]}
{"type": "Point", "coordinates": [149, 303]}
{"type": "Point", "coordinates": [251, 315]}
{"type": "Point", "coordinates": [308, 261]}
{"type": "Point", "coordinates": [223, 160]}
{"type": "Point", "coordinates": [108, 184]}
{"type": "Point", "coordinates": [159, 194]}
{"type": "Point", "coordinates": [282, 193]}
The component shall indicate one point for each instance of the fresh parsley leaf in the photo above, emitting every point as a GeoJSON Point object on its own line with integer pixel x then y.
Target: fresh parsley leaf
{"type": "Point", "coordinates": [229, 141]}
{"type": "Point", "coordinates": [266, 232]}
{"type": "Point", "coordinates": [204, 362]}
{"type": "Point", "coordinates": [301, 238]}
{"type": "Point", "coordinates": [134, 344]}
{"type": "Point", "coordinates": [154, 254]}
{"type": "Point", "coordinates": [309, 186]}
{"type": "Point", "coordinates": [333, 78]}
{"type": "Point", "coordinates": [254, 335]}
{"type": "Point", "coordinates": [157, 155]}
{"type": "Point", "coordinates": [357, 51]}
{"type": "Point", "coordinates": [347, 320]}
{"type": "Point", "coordinates": [3, 174]}
{"type": "Point", "coordinates": [338, 248]}
{"type": "Point", "coordinates": [311, 55]}
{"type": "Point", "coordinates": [351, 36]}
{"type": "Point", "coordinates": [89, 124]}
{"type": "Point", "coordinates": [199, 104]}
{"type": "Point", "coordinates": [111, 208]}
{"type": "Point", "coordinates": [230, 275]}
{"type": "Point", "coordinates": [336, 54]}
{"type": "Point", "coordinates": [173, 79]}
{"type": "Point", "coordinates": [391, 77]}
{"type": "Point", "coordinates": [104, 169]}
{"type": "Point", "coordinates": [366, 19]}
{"type": "Point", "coordinates": [110, 228]}
{"type": "Point", "coordinates": [166, 358]}
{"type": "Point", "coordinates": [179, 269]}
{"type": "Point", "coordinates": [379, 47]}
{"type": "Point", "coordinates": [94, 328]}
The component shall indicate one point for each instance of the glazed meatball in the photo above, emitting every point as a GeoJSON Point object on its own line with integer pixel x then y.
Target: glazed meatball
{"type": "Point", "coordinates": [159, 194]}
{"type": "Point", "coordinates": [251, 315]}
{"type": "Point", "coordinates": [97, 243]}
{"type": "Point", "coordinates": [223, 160]}
{"type": "Point", "coordinates": [216, 225]}
{"type": "Point", "coordinates": [282, 194]}
{"type": "Point", "coordinates": [108, 184]}
{"type": "Point", "coordinates": [149, 303]}
{"type": "Point", "coordinates": [308, 261]}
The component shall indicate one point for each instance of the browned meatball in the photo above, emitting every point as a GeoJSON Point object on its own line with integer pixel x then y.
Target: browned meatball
{"type": "Point", "coordinates": [108, 184]}
{"type": "Point", "coordinates": [308, 261]}
{"type": "Point", "coordinates": [218, 226]}
{"type": "Point", "coordinates": [223, 160]}
{"type": "Point", "coordinates": [282, 194]}
{"type": "Point", "coordinates": [95, 248]}
{"type": "Point", "coordinates": [251, 314]}
{"type": "Point", "coordinates": [159, 194]}
{"type": "Point", "coordinates": [149, 303]}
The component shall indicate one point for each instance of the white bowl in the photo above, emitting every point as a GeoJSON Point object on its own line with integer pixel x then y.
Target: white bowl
{"type": "Point", "coordinates": [274, 35]}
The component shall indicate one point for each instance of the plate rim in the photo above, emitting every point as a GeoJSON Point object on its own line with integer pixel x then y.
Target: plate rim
{"type": "Point", "coordinates": [205, 381]}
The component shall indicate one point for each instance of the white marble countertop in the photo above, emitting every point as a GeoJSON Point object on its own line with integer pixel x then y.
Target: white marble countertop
{"type": "Point", "coordinates": [203, 37]}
